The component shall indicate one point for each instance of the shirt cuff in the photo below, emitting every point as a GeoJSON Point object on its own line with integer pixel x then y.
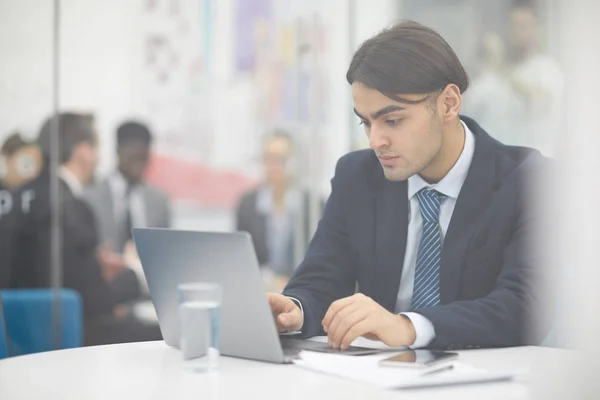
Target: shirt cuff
{"type": "Point", "coordinates": [301, 311]}
{"type": "Point", "coordinates": [425, 332]}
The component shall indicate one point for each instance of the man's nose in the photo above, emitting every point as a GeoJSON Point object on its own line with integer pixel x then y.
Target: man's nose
{"type": "Point", "coordinates": [378, 139]}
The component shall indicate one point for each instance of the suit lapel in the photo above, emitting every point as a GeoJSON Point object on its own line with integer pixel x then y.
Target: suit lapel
{"type": "Point", "coordinates": [476, 192]}
{"type": "Point", "coordinates": [391, 227]}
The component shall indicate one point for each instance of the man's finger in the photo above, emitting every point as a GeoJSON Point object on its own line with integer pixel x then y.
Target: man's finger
{"type": "Point", "coordinates": [334, 308]}
{"type": "Point", "coordinates": [278, 303]}
{"type": "Point", "coordinates": [360, 329]}
{"type": "Point", "coordinates": [345, 325]}
{"type": "Point", "coordinates": [337, 320]}
{"type": "Point", "coordinates": [288, 322]}
{"type": "Point", "coordinates": [280, 325]}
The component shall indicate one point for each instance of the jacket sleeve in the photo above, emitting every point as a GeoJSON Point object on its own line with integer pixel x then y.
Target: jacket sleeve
{"type": "Point", "coordinates": [328, 271]}
{"type": "Point", "coordinates": [82, 271]}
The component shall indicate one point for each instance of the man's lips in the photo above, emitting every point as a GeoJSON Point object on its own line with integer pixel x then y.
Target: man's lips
{"type": "Point", "coordinates": [388, 160]}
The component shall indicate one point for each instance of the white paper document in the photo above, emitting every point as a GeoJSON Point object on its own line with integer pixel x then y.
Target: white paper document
{"type": "Point", "coordinates": [366, 369]}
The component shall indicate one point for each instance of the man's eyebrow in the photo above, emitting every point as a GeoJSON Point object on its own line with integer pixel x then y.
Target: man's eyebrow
{"type": "Point", "coordinates": [358, 114]}
{"type": "Point", "coordinates": [385, 110]}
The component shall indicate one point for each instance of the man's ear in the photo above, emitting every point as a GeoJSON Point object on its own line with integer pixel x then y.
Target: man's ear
{"type": "Point", "coordinates": [451, 102]}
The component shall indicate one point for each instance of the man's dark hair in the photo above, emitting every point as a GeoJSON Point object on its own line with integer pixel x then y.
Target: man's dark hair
{"type": "Point", "coordinates": [12, 143]}
{"type": "Point", "coordinates": [132, 131]}
{"type": "Point", "coordinates": [279, 134]}
{"type": "Point", "coordinates": [73, 129]}
{"type": "Point", "coordinates": [525, 4]}
{"type": "Point", "coordinates": [408, 58]}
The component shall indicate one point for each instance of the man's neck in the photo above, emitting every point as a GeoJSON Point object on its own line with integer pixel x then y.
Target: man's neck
{"type": "Point", "coordinates": [452, 147]}
{"type": "Point", "coordinates": [76, 172]}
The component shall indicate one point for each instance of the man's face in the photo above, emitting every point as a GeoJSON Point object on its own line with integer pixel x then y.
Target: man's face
{"type": "Point", "coordinates": [87, 154]}
{"type": "Point", "coordinates": [523, 30]}
{"type": "Point", "coordinates": [405, 137]}
{"type": "Point", "coordinates": [133, 160]}
{"type": "Point", "coordinates": [276, 157]}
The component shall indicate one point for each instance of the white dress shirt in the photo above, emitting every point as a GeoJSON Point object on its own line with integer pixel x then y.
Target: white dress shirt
{"type": "Point", "coordinates": [450, 186]}
{"type": "Point", "coordinates": [72, 182]}
{"type": "Point", "coordinates": [280, 228]}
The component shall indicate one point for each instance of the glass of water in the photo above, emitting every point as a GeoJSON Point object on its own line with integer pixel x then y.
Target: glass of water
{"type": "Point", "coordinates": [199, 316]}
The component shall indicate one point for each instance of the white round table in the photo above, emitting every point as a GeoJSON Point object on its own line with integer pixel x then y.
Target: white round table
{"type": "Point", "coordinates": [153, 370]}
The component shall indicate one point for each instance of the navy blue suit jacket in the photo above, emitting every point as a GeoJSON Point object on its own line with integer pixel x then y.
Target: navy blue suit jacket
{"type": "Point", "coordinates": [488, 267]}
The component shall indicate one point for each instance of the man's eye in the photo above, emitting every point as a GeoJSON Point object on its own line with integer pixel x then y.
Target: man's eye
{"type": "Point", "coordinates": [393, 122]}
{"type": "Point", "coordinates": [365, 123]}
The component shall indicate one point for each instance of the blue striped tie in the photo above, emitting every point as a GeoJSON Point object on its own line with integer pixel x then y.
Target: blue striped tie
{"type": "Point", "coordinates": [426, 292]}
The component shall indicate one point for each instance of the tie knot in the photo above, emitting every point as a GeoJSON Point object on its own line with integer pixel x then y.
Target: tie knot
{"type": "Point", "coordinates": [429, 204]}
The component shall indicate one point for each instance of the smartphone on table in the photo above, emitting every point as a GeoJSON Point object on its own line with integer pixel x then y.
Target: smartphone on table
{"type": "Point", "coordinates": [418, 359]}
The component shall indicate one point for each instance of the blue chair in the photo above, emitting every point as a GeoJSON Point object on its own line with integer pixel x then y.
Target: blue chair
{"type": "Point", "coordinates": [3, 341]}
{"type": "Point", "coordinates": [29, 319]}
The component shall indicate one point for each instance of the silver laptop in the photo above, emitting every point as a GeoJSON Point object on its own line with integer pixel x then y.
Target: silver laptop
{"type": "Point", "coordinates": [171, 257]}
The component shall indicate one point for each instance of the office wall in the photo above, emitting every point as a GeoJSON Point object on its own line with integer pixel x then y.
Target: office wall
{"type": "Point", "coordinates": [26, 66]}
{"type": "Point", "coordinates": [203, 109]}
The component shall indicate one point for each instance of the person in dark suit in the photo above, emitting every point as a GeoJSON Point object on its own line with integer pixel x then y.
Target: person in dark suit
{"type": "Point", "coordinates": [99, 277]}
{"type": "Point", "coordinates": [432, 225]}
{"type": "Point", "coordinates": [20, 163]}
{"type": "Point", "coordinates": [31, 236]}
{"type": "Point", "coordinates": [124, 200]}
{"type": "Point", "coordinates": [276, 213]}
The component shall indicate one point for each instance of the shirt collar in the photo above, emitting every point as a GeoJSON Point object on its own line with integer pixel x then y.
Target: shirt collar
{"type": "Point", "coordinates": [118, 182]}
{"type": "Point", "coordinates": [264, 200]}
{"type": "Point", "coordinates": [120, 185]}
{"type": "Point", "coordinates": [71, 181]}
{"type": "Point", "coordinates": [451, 184]}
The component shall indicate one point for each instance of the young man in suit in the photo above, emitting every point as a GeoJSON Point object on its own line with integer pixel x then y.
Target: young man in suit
{"type": "Point", "coordinates": [31, 230]}
{"type": "Point", "coordinates": [432, 225]}
{"type": "Point", "coordinates": [99, 277]}
{"type": "Point", "coordinates": [124, 200]}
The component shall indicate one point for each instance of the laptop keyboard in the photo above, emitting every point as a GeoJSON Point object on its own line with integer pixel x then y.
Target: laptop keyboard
{"type": "Point", "coordinates": [292, 347]}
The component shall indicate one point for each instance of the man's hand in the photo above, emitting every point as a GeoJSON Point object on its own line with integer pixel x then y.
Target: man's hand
{"type": "Point", "coordinates": [112, 263]}
{"type": "Point", "coordinates": [287, 314]}
{"type": "Point", "coordinates": [359, 315]}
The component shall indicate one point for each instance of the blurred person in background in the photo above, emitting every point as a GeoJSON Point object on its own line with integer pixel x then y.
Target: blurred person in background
{"type": "Point", "coordinates": [98, 276]}
{"type": "Point", "coordinates": [433, 226]}
{"type": "Point", "coordinates": [123, 200]}
{"type": "Point", "coordinates": [536, 80]}
{"type": "Point", "coordinates": [270, 213]}
{"type": "Point", "coordinates": [491, 99]}
{"type": "Point", "coordinates": [32, 216]}
{"type": "Point", "coordinates": [20, 162]}
{"type": "Point", "coordinates": [518, 91]}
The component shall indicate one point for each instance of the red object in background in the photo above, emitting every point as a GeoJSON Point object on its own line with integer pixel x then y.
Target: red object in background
{"type": "Point", "coordinates": [197, 183]}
